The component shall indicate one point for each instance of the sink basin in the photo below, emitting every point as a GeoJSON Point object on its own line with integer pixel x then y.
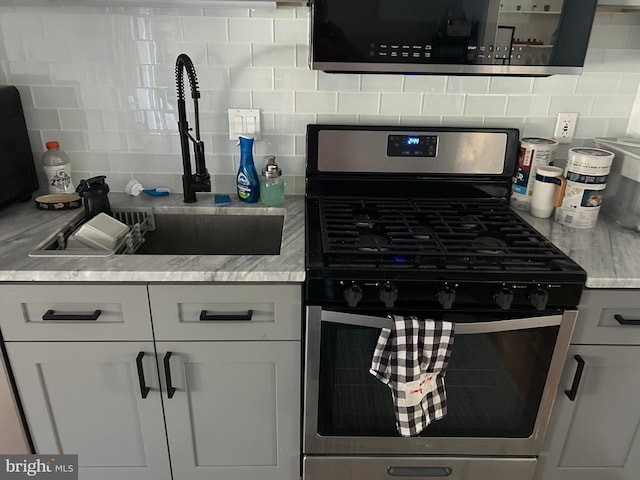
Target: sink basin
{"type": "Point", "coordinates": [212, 234]}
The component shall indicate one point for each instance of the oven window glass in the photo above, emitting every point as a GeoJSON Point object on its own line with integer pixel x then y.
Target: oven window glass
{"type": "Point", "coordinates": [494, 384]}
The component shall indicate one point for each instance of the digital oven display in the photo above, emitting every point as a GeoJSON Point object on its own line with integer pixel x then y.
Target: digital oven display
{"type": "Point", "coordinates": [412, 145]}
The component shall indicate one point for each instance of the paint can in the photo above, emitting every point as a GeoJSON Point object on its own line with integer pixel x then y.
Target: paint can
{"type": "Point", "coordinates": [586, 173]}
{"type": "Point", "coordinates": [534, 152]}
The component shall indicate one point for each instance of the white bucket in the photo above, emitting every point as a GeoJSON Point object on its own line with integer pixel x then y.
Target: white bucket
{"type": "Point", "coordinates": [586, 172]}
{"type": "Point", "coordinates": [534, 153]}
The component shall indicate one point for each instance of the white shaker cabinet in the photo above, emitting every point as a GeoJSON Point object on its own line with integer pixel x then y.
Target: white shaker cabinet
{"type": "Point", "coordinates": [154, 382]}
{"type": "Point", "coordinates": [235, 366]}
{"type": "Point", "coordinates": [595, 428]}
{"type": "Point", "coordinates": [85, 398]}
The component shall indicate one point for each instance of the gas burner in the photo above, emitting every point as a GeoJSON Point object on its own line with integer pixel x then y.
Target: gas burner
{"type": "Point", "coordinates": [363, 220]}
{"type": "Point", "coordinates": [469, 222]}
{"type": "Point", "coordinates": [489, 245]}
{"type": "Point", "coordinates": [373, 243]}
{"type": "Point", "coordinates": [421, 233]}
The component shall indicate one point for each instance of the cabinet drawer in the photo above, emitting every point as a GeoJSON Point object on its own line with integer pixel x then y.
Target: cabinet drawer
{"type": "Point", "coordinates": [51, 312]}
{"type": "Point", "coordinates": [597, 313]}
{"type": "Point", "coordinates": [226, 312]}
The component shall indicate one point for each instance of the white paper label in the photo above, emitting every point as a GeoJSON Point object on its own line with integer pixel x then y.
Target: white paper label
{"type": "Point", "coordinates": [416, 390]}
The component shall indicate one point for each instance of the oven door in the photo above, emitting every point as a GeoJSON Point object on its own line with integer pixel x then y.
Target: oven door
{"type": "Point", "coordinates": [500, 385]}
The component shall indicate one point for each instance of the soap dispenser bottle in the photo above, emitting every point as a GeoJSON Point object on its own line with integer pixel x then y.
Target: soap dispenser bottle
{"type": "Point", "coordinates": [271, 183]}
{"type": "Point", "coordinates": [247, 181]}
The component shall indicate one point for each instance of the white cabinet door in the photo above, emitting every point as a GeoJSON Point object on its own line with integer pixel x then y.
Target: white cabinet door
{"type": "Point", "coordinates": [596, 436]}
{"type": "Point", "coordinates": [85, 398]}
{"type": "Point", "coordinates": [235, 413]}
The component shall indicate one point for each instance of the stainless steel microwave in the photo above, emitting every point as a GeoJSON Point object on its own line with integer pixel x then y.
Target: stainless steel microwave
{"type": "Point", "coordinates": [451, 37]}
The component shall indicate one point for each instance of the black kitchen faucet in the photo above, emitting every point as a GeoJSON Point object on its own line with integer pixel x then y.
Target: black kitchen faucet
{"type": "Point", "coordinates": [199, 181]}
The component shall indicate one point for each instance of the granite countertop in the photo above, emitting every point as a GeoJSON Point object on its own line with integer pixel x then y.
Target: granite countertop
{"type": "Point", "coordinates": [23, 227]}
{"type": "Point", "coordinates": [609, 254]}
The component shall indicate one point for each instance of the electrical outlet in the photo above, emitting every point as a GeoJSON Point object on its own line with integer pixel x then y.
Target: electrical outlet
{"type": "Point", "coordinates": [245, 122]}
{"type": "Point", "coordinates": [565, 127]}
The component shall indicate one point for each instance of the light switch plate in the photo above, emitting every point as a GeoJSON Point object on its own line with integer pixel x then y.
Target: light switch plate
{"type": "Point", "coordinates": [245, 122]}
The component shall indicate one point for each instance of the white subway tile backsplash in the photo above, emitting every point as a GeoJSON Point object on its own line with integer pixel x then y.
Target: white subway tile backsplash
{"type": "Point", "coordinates": [555, 85]}
{"type": "Point", "coordinates": [273, 55]}
{"type": "Point", "coordinates": [273, 101]}
{"type": "Point", "coordinates": [44, 119]}
{"type": "Point", "coordinates": [55, 97]}
{"type": "Point", "coordinates": [21, 25]}
{"type": "Point", "coordinates": [468, 85]}
{"type": "Point", "coordinates": [382, 83]}
{"type": "Point", "coordinates": [511, 85]}
{"type": "Point", "coordinates": [338, 82]}
{"type": "Point", "coordinates": [598, 83]}
{"type": "Point", "coordinates": [316, 102]}
{"type": "Point", "coordinates": [101, 80]}
{"type": "Point", "coordinates": [251, 78]}
{"type": "Point", "coordinates": [47, 49]}
{"type": "Point", "coordinates": [425, 84]}
{"type": "Point", "coordinates": [293, 123]}
{"type": "Point", "coordinates": [205, 29]}
{"type": "Point", "coordinates": [250, 30]}
{"type": "Point", "coordinates": [612, 106]}
{"type": "Point", "coordinates": [580, 104]}
{"type": "Point", "coordinates": [12, 49]}
{"type": "Point", "coordinates": [528, 105]}
{"type": "Point", "coordinates": [446, 105]}
{"type": "Point", "coordinates": [358, 103]}
{"type": "Point", "coordinates": [293, 79]}
{"type": "Point", "coordinates": [290, 32]}
{"type": "Point", "coordinates": [228, 54]}
{"type": "Point", "coordinates": [400, 103]}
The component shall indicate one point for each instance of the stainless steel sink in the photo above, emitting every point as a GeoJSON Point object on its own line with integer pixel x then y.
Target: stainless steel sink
{"type": "Point", "coordinates": [180, 231]}
{"type": "Point", "coordinates": [211, 234]}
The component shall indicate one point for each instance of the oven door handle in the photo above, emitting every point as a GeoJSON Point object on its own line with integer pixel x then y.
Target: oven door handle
{"type": "Point", "coordinates": [460, 328]}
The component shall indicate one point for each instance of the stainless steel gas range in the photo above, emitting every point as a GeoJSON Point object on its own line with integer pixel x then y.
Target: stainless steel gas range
{"type": "Point", "coordinates": [415, 221]}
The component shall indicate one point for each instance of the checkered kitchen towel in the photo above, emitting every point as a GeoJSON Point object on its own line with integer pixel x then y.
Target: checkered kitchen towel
{"type": "Point", "coordinates": [412, 359]}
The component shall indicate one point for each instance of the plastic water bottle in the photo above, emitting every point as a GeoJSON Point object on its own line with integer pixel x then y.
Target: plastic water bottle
{"type": "Point", "coordinates": [57, 169]}
{"type": "Point", "coordinates": [247, 181]}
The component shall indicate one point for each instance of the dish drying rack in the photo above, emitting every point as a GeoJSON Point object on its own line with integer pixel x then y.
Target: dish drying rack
{"type": "Point", "coordinates": [139, 221]}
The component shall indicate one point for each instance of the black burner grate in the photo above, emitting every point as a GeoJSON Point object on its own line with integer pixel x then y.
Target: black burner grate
{"type": "Point", "coordinates": [431, 234]}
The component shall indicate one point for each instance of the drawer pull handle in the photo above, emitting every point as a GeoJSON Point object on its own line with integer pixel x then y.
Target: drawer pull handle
{"type": "Point", "coordinates": [167, 375]}
{"type": "Point", "coordinates": [576, 379]}
{"type": "Point", "coordinates": [627, 321]}
{"type": "Point", "coordinates": [419, 471]}
{"type": "Point", "coordinates": [208, 317]}
{"type": "Point", "coordinates": [51, 315]}
{"type": "Point", "coordinates": [144, 390]}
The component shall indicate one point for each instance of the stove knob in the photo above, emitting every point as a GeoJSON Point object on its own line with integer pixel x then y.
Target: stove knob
{"type": "Point", "coordinates": [352, 294]}
{"type": "Point", "coordinates": [539, 298]}
{"type": "Point", "coordinates": [388, 293]}
{"type": "Point", "coordinates": [504, 297]}
{"type": "Point", "coordinates": [446, 295]}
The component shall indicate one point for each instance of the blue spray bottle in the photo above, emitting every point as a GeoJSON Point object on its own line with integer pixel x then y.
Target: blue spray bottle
{"type": "Point", "coordinates": [247, 180]}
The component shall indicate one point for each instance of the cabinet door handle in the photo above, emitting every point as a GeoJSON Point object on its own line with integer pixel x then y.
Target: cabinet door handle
{"type": "Point", "coordinates": [72, 317]}
{"type": "Point", "coordinates": [167, 375]}
{"type": "Point", "coordinates": [576, 379]}
{"type": "Point", "coordinates": [627, 321]}
{"type": "Point", "coordinates": [144, 390]}
{"type": "Point", "coordinates": [204, 316]}
{"type": "Point", "coordinates": [419, 471]}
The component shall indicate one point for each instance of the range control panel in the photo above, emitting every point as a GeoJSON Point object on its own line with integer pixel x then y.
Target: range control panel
{"type": "Point", "coordinates": [412, 145]}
